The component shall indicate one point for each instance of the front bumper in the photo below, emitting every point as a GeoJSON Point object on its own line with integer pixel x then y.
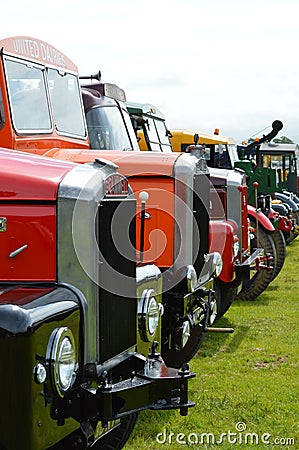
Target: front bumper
{"type": "Point", "coordinates": [156, 387]}
{"type": "Point", "coordinates": [256, 261]}
{"type": "Point", "coordinates": [128, 383]}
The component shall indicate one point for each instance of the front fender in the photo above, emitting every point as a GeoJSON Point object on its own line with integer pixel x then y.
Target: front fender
{"type": "Point", "coordinates": [222, 241]}
{"type": "Point", "coordinates": [263, 220]}
{"type": "Point", "coordinates": [28, 316]}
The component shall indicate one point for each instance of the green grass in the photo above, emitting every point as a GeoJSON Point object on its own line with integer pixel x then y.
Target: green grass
{"type": "Point", "coordinates": [249, 378]}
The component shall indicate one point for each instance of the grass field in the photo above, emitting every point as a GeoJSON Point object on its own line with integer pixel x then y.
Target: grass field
{"type": "Point", "coordinates": [246, 388]}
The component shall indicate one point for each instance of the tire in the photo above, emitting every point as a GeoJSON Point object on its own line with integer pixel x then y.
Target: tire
{"type": "Point", "coordinates": [114, 439]}
{"type": "Point", "coordinates": [176, 358]}
{"type": "Point", "coordinates": [291, 235]}
{"type": "Point", "coordinates": [117, 438]}
{"type": "Point", "coordinates": [280, 247]}
{"type": "Point", "coordinates": [252, 288]}
{"type": "Point", "coordinates": [225, 296]}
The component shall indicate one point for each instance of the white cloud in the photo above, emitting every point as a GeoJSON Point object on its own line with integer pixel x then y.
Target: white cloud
{"type": "Point", "coordinates": [231, 64]}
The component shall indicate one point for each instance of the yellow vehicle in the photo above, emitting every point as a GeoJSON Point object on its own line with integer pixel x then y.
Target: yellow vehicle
{"type": "Point", "coordinates": [181, 139]}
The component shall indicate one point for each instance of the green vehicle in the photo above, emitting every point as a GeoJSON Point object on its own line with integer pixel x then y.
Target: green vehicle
{"type": "Point", "coordinates": [274, 168]}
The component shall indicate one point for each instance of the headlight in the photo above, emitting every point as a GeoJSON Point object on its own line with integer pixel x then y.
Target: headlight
{"type": "Point", "coordinates": [261, 202]}
{"type": "Point", "coordinates": [268, 201]}
{"type": "Point", "coordinates": [149, 312]}
{"type": "Point", "coordinates": [62, 359]}
{"type": "Point", "coordinates": [186, 332]}
{"type": "Point", "coordinates": [236, 246]}
{"type": "Point", "coordinates": [217, 264]}
{"type": "Point", "coordinates": [191, 279]}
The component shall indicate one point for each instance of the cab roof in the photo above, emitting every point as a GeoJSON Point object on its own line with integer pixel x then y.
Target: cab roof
{"type": "Point", "coordinates": [35, 50]}
{"type": "Point", "coordinates": [144, 109]}
{"type": "Point", "coordinates": [203, 138]}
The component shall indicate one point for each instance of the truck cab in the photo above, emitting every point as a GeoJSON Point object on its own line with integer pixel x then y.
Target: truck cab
{"type": "Point", "coordinates": [175, 219]}
{"type": "Point", "coordinates": [235, 209]}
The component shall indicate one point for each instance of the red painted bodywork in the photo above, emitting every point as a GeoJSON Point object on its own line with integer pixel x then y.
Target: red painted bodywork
{"type": "Point", "coordinates": [262, 218]}
{"type": "Point", "coordinates": [28, 196]}
{"type": "Point", "coordinates": [221, 240]}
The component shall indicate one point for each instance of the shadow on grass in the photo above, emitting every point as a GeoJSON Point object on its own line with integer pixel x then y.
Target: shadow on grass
{"type": "Point", "coordinates": [261, 300]}
{"type": "Point", "coordinates": [223, 342]}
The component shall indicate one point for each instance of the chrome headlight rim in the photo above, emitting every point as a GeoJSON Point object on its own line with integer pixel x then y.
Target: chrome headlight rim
{"type": "Point", "coordinates": [62, 344]}
{"type": "Point", "coordinates": [268, 200]}
{"type": "Point", "coordinates": [217, 264]}
{"type": "Point", "coordinates": [262, 202]}
{"type": "Point", "coordinates": [149, 312]}
{"type": "Point", "coordinates": [186, 333]}
{"type": "Point", "coordinates": [236, 246]}
{"type": "Point", "coordinates": [191, 279]}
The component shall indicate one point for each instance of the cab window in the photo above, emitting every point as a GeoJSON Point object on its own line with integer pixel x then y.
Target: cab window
{"type": "Point", "coordinates": [106, 129]}
{"type": "Point", "coordinates": [152, 135]}
{"type": "Point", "coordinates": [130, 129]}
{"type": "Point", "coordinates": [28, 97]}
{"type": "Point", "coordinates": [66, 103]}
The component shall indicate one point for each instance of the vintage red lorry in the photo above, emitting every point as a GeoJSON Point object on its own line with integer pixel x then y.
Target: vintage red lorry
{"type": "Point", "coordinates": [175, 238]}
{"type": "Point", "coordinates": [80, 316]}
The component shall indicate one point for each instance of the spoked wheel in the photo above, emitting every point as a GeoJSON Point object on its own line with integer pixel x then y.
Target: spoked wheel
{"type": "Point", "coordinates": [258, 283]}
{"type": "Point", "coordinates": [225, 295]}
{"type": "Point", "coordinates": [104, 439]}
{"type": "Point", "coordinates": [280, 247]}
{"type": "Point", "coordinates": [176, 358]}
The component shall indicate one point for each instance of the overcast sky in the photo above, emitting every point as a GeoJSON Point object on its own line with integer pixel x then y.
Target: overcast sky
{"type": "Point", "coordinates": [227, 64]}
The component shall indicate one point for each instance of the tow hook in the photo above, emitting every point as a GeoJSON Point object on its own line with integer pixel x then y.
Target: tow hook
{"type": "Point", "coordinates": [266, 266]}
{"type": "Point", "coordinates": [216, 329]}
{"type": "Point", "coordinates": [220, 330]}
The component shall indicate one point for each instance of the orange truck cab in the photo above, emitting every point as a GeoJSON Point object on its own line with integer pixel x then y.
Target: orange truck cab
{"type": "Point", "coordinates": [231, 214]}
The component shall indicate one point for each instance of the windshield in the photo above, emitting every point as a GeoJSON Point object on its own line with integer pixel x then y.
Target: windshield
{"type": "Point", "coordinates": [233, 153]}
{"type": "Point", "coordinates": [29, 86]}
{"type": "Point", "coordinates": [157, 135]}
{"type": "Point", "coordinates": [28, 97]}
{"type": "Point", "coordinates": [222, 156]}
{"type": "Point", "coordinates": [130, 129]}
{"type": "Point", "coordinates": [106, 129]}
{"type": "Point", "coordinates": [68, 117]}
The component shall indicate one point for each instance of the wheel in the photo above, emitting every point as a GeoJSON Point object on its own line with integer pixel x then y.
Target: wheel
{"type": "Point", "coordinates": [257, 284]}
{"type": "Point", "coordinates": [291, 235]}
{"type": "Point", "coordinates": [294, 234]}
{"type": "Point", "coordinates": [280, 247]}
{"type": "Point", "coordinates": [114, 439]}
{"type": "Point", "coordinates": [117, 437]}
{"type": "Point", "coordinates": [176, 358]}
{"type": "Point", "coordinates": [225, 296]}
